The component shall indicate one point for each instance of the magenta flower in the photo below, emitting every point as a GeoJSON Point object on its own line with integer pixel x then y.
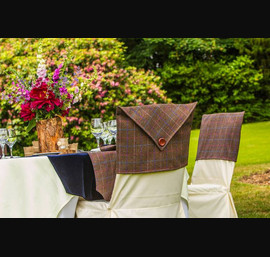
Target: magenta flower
{"type": "Point", "coordinates": [63, 91]}
{"type": "Point", "coordinates": [56, 75]}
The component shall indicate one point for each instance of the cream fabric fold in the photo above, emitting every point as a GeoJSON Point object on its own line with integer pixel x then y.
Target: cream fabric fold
{"type": "Point", "coordinates": [68, 211]}
{"type": "Point", "coordinates": [30, 188]}
{"type": "Point", "coordinates": [147, 195]}
{"type": "Point", "coordinates": [209, 192]}
{"type": "Point", "coordinates": [184, 196]}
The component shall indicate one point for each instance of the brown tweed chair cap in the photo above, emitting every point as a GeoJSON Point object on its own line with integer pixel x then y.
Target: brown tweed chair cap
{"type": "Point", "coordinates": [220, 136]}
{"type": "Point", "coordinates": [153, 137]}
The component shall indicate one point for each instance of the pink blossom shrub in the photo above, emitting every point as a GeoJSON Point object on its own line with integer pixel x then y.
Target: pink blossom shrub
{"type": "Point", "coordinates": [97, 69]}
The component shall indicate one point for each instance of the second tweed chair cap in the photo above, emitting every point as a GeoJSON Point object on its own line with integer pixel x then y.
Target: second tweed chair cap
{"type": "Point", "coordinates": [220, 136]}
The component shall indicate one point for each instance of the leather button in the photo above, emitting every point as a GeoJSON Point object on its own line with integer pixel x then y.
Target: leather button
{"type": "Point", "coordinates": [161, 141]}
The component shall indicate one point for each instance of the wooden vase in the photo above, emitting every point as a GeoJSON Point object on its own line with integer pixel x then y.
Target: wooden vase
{"type": "Point", "coordinates": [49, 131]}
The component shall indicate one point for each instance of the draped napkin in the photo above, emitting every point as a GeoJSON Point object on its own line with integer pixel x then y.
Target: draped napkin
{"type": "Point", "coordinates": [104, 164]}
{"type": "Point", "coordinates": [77, 174]}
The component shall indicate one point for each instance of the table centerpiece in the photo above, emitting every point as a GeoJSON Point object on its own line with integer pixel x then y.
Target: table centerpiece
{"type": "Point", "coordinates": [45, 101]}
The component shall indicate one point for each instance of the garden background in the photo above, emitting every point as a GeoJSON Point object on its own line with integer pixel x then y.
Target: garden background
{"type": "Point", "coordinates": [221, 74]}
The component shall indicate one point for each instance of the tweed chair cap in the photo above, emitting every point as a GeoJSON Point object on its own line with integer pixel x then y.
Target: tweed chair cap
{"type": "Point", "coordinates": [220, 136]}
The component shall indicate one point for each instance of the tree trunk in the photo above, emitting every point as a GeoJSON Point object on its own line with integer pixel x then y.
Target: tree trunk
{"type": "Point", "coordinates": [49, 131]}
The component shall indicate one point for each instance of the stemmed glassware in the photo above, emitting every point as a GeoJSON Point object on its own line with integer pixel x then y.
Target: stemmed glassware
{"type": "Point", "coordinates": [97, 129]}
{"type": "Point", "coordinates": [3, 140]}
{"type": "Point", "coordinates": [11, 140]}
{"type": "Point", "coordinates": [106, 130]}
{"type": "Point", "coordinates": [112, 127]}
{"type": "Point", "coordinates": [105, 134]}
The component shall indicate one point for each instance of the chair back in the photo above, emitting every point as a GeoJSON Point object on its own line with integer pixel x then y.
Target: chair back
{"type": "Point", "coordinates": [155, 195]}
{"type": "Point", "coordinates": [218, 148]}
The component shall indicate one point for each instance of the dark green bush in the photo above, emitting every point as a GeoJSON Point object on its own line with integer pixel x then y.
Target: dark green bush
{"type": "Point", "coordinates": [213, 71]}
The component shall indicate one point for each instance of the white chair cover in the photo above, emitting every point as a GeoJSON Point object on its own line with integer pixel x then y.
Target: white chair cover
{"type": "Point", "coordinates": [146, 195]}
{"type": "Point", "coordinates": [209, 192]}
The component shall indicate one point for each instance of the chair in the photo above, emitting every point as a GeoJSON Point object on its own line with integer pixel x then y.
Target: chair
{"type": "Point", "coordinates": [209, 191]}
{"type": "Point", "coordinates": [155, 195]}
{"type": "Point", "coordinates": [151, 155]}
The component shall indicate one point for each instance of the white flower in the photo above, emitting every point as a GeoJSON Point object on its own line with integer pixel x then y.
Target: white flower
{"type": "Point", "coordinates": [41, 70]}
{"type": "Point", "coordinates": [76, 99]}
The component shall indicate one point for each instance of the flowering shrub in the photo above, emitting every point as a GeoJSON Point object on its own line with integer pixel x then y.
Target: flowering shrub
{"type": "Point", "coordinates": [95, 71]}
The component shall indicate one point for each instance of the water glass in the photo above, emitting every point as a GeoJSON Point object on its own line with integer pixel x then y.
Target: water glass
{"type": "Point", "coordinates": [3, 140]}
{"type": "Point", "coordinates": [112, 127]}
{"type": "Point", "coordinates": [106, 134]}
{"type": "Point", "coordinates": [97, 129]}
{"type": "Point", "coordinates": [11, 140]}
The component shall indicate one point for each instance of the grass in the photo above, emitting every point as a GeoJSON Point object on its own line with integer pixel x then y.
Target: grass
{"type": "Point", "coordinates": [251, 201]}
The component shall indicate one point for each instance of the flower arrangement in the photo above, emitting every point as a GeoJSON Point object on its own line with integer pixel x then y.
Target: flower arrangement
{"type": "Point", "coordinates": [46, 96]}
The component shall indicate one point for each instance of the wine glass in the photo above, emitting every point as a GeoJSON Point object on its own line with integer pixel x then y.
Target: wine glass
{"type": "Point", "coordinates": [112, 127]}
{"type": "Point", "coordinates": [11, 140]}
{"type": "Point", "coordinates": [105, 135]}
{"type": "Point", "coordinates": [97, 129]}
{"type": "Point", "coordinates": [3, 140]}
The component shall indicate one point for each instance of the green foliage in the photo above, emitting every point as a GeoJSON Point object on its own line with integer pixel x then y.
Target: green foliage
{"type": "Point", "coordinates": [212, 71]}
{"type": "Point", "coordinates": [100, 68]}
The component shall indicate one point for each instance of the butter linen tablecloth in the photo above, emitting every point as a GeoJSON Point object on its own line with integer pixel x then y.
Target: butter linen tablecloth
{"type": "Point", "coordinates": [30, 188]}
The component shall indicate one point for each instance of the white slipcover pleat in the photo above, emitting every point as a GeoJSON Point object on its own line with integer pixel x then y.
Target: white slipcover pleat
{"type": "Point", "coordinates": [209, 192]}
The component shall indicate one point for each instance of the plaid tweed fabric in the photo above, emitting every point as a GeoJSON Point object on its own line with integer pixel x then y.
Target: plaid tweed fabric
{"type": "Point", "coordinates": [153, 138]}
{"type": "Point", "coordinates": [104, 168]}
{"type": "Point", "coordinates": [108, 148]}
{"type": "Point", "coordinates": [220, 136]}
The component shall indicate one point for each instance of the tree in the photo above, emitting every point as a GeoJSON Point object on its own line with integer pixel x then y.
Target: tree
{"type": "Point", "coordinates": [212, 71]}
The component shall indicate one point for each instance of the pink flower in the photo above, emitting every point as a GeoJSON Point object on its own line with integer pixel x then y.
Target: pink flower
{"type": "Point", "coordinates": [128, 91]}
{"type": "Point", "coordinates": [80, 120]}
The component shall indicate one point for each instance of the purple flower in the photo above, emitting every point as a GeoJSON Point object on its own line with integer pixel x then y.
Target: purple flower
{"type": "Point", "coordinates": [27, 95]}
{"type": "Point", "coordinates": [63, 90]}
{"type": "Point", "coordinates": [56, 75]}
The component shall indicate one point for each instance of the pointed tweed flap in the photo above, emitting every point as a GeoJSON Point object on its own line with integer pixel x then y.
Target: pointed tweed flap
{"type": "Point", "coordinates": [160, 121]}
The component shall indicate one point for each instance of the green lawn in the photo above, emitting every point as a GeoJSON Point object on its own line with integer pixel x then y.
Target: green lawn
{"type": "Point", "coordinates": [251, 201]}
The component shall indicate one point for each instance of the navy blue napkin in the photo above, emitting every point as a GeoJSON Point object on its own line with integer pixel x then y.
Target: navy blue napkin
{"type": "Point", "coordinates": [77, 174]}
